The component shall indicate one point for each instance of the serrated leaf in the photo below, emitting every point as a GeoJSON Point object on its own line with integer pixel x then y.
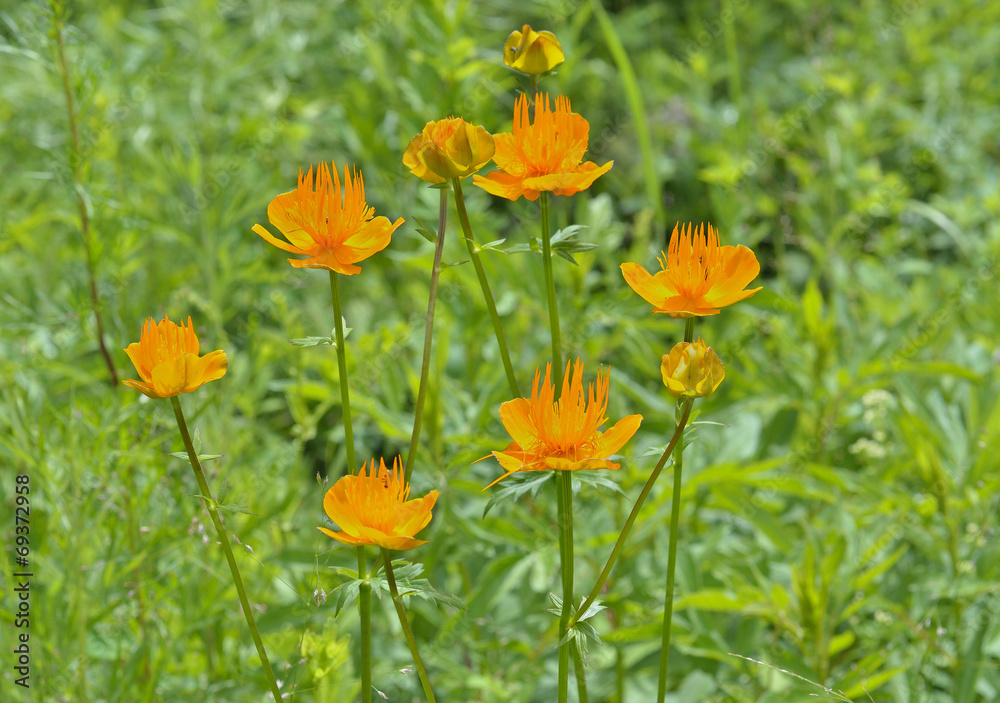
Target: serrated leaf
{"type": "Point", "coordinates": [565, 233]}
{"type": "Point", "coordinates": [203, 458]}
{"type": "Point", "coordinates": [593, 610]}
{"type": "Point", "coordinates": [566, 255]}
{"type": "Point", "coordinates": [313, 341]}
{"type": "Point", "coordinates": [517, 487]}
{"type": "Point", "coordinates": [595, 480]}
{"type": "Point", "coordinates": [425, 230]}
{"type": "Point", "coordinates": [495, 245]}
{"type": "Point", "coordinates": [408, 584]}
{"type": "Point", "coordinates": [241, 509]}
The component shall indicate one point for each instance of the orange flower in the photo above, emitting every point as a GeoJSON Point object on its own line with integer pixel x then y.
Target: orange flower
{"type": "Point", "coordinates": [333, 228]}
{"type": "Point", "coordinates": [563, 434]}
{"type": "Point", "coordinates": [373, 508]}
{"type": "Point", "coordinates": [699, 276]}
{"type": "Point", "coordinates": [166, 357]}
{"type": "Point", "coordinates": [447, 149]}
{"type": "Point", "coordinates": [532, 52]}
{"type": "Point", "coordinates": [545, 155]}
{"type": "Point", "coordinates": [691, 370]}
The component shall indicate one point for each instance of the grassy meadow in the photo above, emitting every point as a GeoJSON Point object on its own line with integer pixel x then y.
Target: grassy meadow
{"type": "Point", "coordinates": [838, 532]}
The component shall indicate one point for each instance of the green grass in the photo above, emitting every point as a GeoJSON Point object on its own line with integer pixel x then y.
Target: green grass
{"type": "Point", "coordinates": [840, 524]}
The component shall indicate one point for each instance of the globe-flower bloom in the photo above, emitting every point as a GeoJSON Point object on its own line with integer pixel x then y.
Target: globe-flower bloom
{"type": "Point", "coordinates": [446, 149]}
{"type": "Point", "coordinates": [563, 434]}
{"type": "Point", "coordinates": [699, 276]}
{"type": "Point", "coordinates": [546, 155]}
{"type": "Point", "coordinates": [332, 226]}
{"type": "Point", "coordinates": [371, 507]}
{"type": "Point", "coordinates": [532, 52]}
{"type": "Point", "coordinates": [691, 370]}
{"type": "Point", "coordinates": [166, 357]}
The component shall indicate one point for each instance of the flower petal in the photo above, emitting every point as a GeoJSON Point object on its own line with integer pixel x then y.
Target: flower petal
{"type": "Point", "coordinates": [617, 435]}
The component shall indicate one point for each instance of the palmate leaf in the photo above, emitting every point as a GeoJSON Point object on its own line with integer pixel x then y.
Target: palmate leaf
{"type": "Point", "coordinates": [582, 632]}
{"type": "Point", "coordinates": [407, 582]}
{"type": "Point", "coordinates": [517, 487]}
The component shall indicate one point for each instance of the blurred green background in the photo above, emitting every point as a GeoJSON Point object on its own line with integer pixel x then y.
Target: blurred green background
{"type": "Point", "coordinates": [840, 524]}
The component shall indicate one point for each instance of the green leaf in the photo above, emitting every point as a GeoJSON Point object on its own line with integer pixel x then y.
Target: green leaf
{"type": "Point", "coordinates": [203, 458]}
{"type": "Point", "coordinates": [313, 341]}
{"type": "Point", "coordinates": [517, 487]}
{"type": "Point", "coordinates": [596, 480]}
{"type": "Point", "coordinates": [425, 230]}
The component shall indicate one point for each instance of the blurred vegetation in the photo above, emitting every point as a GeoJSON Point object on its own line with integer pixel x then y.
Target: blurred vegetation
{"type": "Point", "coordinates": [839, 525]}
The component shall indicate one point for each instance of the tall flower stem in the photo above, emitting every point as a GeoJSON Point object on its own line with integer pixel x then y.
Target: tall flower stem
{"type": "Point", "coordinates": [405, 624]}
{"type": "Point", "coordinates": [565, 508]}
{"type": "Point", "coordinates": [550, 292]}
{"type": "Point", "coordinates": [345, 392]}
{"type": "Point", "coordinates": [675, 513]}
{"type": "Point", "coordinates": [425, 363]}
{"type": "Point", "coordinates": [365, 613]}
{"type": "Point", "coordinates": [491, 307]}
{"type": "Point", "coordinates": [365, 590]}
{"type": "Point", "coordinates": [619, 545]}
{"type": "Point", "coordinates": [213, 511]}
{"type": "Point", "coordinates": [75, 157]}
{"type": "Point", "coordinates": [565, 480]}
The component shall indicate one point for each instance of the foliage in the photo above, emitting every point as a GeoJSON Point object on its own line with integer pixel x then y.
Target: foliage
{"type": "Point", "coordinates": [839, 522]}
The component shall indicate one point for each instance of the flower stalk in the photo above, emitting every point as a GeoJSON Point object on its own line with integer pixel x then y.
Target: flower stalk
{"type": "Point", "coordinates": [345, 393]}
{"type": "Point", "coordinates": [365, 614]}
{"type": "Point", "coordinates": [425, 363]}
{"type": "Point", "coordinates": [491, 307]}
{"type": "Point", "coordinates": [405, 624]}
{"type": "Point", "coordinates": [213, 511]}
{"type": "Point", "coordinates": [74, 164]}
{"type": "Point", "coordinates": [675, 511]}
{"type": "Point", "coordinates": [619, 545]}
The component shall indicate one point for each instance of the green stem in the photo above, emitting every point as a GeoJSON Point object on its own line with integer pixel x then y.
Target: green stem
{"type": "Point", "coordinates": [75, 157]}
{"type": "Point", "coordinates": [213, 511]}
{"type": "Point", "coordinates": [345, 393]}
{"type": "Point", "coordinates": [675, 512]}
{"type": "Point", "coordinates": [425, 363]}
{"type": "Point", "coordinates": [405, 624]}
{"type": "Point", "coordinates": [581, 675]}
{"type": "Point", "coordinates": [470, 241]}
{"type": "Point", "coordinates": [615, 553]}
{"type": "Point", "coordinates": [550, 292]}
{"type": "Point", "coordinates": [566, 552]}
{"type": "Point", "coordinates": [365, 612]}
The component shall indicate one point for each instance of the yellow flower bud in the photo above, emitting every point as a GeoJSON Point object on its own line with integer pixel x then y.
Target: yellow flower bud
{"type": "Point", "coordinates": [447, 149]}
{"type": "Point", "coordinates": [532, 52]}
{"type": "Point", "coordinates": [692, 370]}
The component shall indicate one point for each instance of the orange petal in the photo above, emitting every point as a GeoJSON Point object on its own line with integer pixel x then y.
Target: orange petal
{"type": "Point", "coordinates": [504, 185]}
{"type": "Point", "coordinates": [652, 289]}
{"type": "Point", "coordinates": [134, 352]}
{"type": "Point", "coordinates": [271, 239]}
{"type": "Point", "coordinates": [616, 436]}
{"type": "Point", "coordinates": [561, 464]}
{"type": "Point", "coordinates": [215, 365]}
{"type": "Point", "coordinates": [142, 388]}
{"type": "Point", "coordinates": [344, 537]}
{"type": "Point", "coordinates": [413, 515]}
{"type": "Point", "coordinates": [516, 418]}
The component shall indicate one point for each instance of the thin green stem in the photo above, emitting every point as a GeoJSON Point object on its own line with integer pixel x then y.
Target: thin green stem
{"type": "Point", "coordinates": [581, 675]}
{"type": "Point", "coordinates": [675, 513]}
{"type": "Point", "coordinates": [345, 393]}
{"type": "Point", "coordinates": [550, 293]}
{"type": "Point", "coordinates": [425, 363]}
{"type": "Point", "coordinates": [566, 552]}
{"type": "Point", "coordinates": [405, 624]}
{"type": "Point", "coordinates": [213, 511]}
{"type": "Point", "coordinates": [491, 307]}
{"type": "Point", "coordinates": [365, 613]}
{"type": "Point", "coordinates": [619, 545]}
{"type": "Point", "coordinates": [75, 158]}
{"type": "Point", "coordinates": [668, 606]}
